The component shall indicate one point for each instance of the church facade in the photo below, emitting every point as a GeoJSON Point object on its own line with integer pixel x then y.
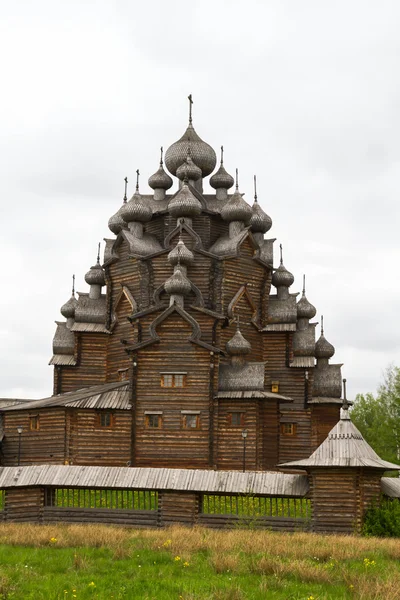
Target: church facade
{"type": "Point", "coordinates": [190, 349]}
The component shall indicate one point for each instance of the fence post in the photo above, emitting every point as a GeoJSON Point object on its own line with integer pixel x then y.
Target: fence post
{"type": "Point", "coordinates": [24, 504]}
{"type": "Point", "coordinates": [178, 508]}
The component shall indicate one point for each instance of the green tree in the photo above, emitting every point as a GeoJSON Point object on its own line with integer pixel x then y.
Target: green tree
{"type": "Point", "coordinates": [378, 417]}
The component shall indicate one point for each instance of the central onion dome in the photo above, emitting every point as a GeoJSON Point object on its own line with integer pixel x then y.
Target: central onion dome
{"type": "Point", "coordinates": [136, 209]}
{"type": "Point", "coordinates": [222, 179]}
{"type": "Point", "coordinates": [202, 153]}
{"type": "Point", "coordinates": [323, 349]}
{"type": "Point", "coordinates": [160, 180]}
{"type": "Point", "coordinates": [184, 203]}
{"type": "Point", "coordinates": [177, 284]}
{"type": "Point", "coordinates": [181, 254]}
{"type": "Point", "coordinates": [238, 345]}
{"type": "Point", "coordinates": [188, 170]}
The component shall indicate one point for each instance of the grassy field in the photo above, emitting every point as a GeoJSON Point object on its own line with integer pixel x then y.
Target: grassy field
{"type": "Point", "coordinates": [68, 562]}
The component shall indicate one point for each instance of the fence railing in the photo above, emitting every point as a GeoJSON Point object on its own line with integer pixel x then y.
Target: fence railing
{"type": "Point", "coordinates": [256, 506]}
{"type": "Point", "coordinates": [99, 498]}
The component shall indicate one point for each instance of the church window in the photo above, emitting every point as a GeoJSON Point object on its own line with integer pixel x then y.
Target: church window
{"type": "Point", "coordinates": [288, 428]}
{"type": "Point", "coordinates": [153, 420]}
{"type": "Point", "coordinates": [236, 419]}
{"type": "Point", "coordinates": [173, 379]}
{"type": "Point", "coordinates": [34, 424]}
{"type": "Point", "coordinates": [190, 419]}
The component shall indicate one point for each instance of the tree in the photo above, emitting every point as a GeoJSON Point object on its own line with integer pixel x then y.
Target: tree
{"type": "Point", "coordinates": [378, 418]}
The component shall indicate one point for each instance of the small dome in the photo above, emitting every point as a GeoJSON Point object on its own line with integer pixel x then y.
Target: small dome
{"type": "Point", "coordinates": [68, 309]}
{"type": "Point", "coordinates": [282, 277]}
{"type": "Point", "coordinates": [238, 345]}
{"type": "Point", "coordinates": [236, 209]}
{"type": "Point", "coordinates": [184, 203]}
{"type": "Point", "coordinates": [181, 254]}
{"type": "Point", "coordinates": [260, 222]}
{"type": "Point", "coordinates": [95, 276]}
{"type": "Point", "coordinates": [202, 154]}
{"type": "Point", "coordinates": [305, 310]}
{"type": "Point", "coordinates": [116, 223]}
{"type": "Point", "coordinates": [323, 349]}
{"type": "Point", "coordinates": [160, 180]}
{"type": "Point", "coordinates": [188, 170]}
{"type": "Point", "coordinates": [222, 179]}
{"type": "Point", "coordinates": [136, 209]}
{"type": "Point", "coordinates": [177, 284]}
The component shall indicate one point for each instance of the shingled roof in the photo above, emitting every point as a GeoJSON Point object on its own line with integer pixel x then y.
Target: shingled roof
{"type": "Point", "coordinates": [107, 396]}
{"type": "Point", "coordinates": [344, 447]}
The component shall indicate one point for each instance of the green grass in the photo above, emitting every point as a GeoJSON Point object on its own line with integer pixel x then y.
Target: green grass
{"type": "Point", "coordinates": [82, 562]}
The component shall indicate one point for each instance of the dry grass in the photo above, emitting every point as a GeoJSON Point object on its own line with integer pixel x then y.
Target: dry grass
{"type": "Point", "coordinates": [304, 557]}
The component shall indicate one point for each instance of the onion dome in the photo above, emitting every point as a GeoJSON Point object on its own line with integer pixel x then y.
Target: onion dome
{"type": "Point", "coordinates": [238, 345]}
{"type": "Point", "coordinates": [188, 170]}
{"type": "Point", "coordinates": [181, 254]}
{"type": "Point", "coordinates": [323, 349]}
{"type": "Point", "coordinates": [116, 223]}
{"type": "Point", "coordinates": [281, 276]}
{"type": "Point", "coordinates": [236, 209]}
{"type": "Point", "coordinates": [260, 222]}
{"type": "Point", "coordinates": [68, 309]}
{"type": "Point", "coordinates": [95, 275]}
{"type": "Point", "coordinates": [184, 203]}
{"type": "Point", "coordinates": [160, 179]}
{"type": "Point", "coordinates": [136, 209]}
{"type": "Point", "coordinates": [305, 310]}
{"type": "Point", "coordinates": [202, 154]}
{"type": "Point", "coordinates": [222, 179]}
{"type": "Point", "coordinates": [177, 284]}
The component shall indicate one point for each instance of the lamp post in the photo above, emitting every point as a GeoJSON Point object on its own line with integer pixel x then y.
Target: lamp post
{"type": "Point", "coordinates": [19, 429]}
{"type": "Point", "coordinates": [244, 436]}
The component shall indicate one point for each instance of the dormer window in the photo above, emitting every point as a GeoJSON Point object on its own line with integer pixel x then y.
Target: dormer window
{"type": "Point", "coordinates": [173, 379]}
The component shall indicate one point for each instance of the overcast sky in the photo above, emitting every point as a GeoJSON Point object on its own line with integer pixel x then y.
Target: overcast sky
{"type": "Point", "coordinates": [305, 94]}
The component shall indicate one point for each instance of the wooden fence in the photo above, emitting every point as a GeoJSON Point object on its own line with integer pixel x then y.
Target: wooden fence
{"type": "Point", "coordinates": [153, 497]}
{"type": "Point", "coordinates": [137, 497]}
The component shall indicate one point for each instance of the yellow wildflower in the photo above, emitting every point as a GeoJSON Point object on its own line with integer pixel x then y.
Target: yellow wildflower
{"type": "Point", "coordinates": [92, 584]}
{"type": "Point", "coordinates": [53, 540]}
{"type": "Point", "coordinates": [177, 558]}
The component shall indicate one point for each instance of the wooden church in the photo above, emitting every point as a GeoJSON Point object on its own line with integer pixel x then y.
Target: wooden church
{"type": "Point", "coordinates": [189, 350]}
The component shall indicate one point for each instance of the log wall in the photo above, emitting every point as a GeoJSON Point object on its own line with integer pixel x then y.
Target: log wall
{"type": "Point", "coordinates": [93, 445]}
{"type": "Point", "coordinates": [47, 445]}
{"type": "Point", "coordinates": [171, 444]}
